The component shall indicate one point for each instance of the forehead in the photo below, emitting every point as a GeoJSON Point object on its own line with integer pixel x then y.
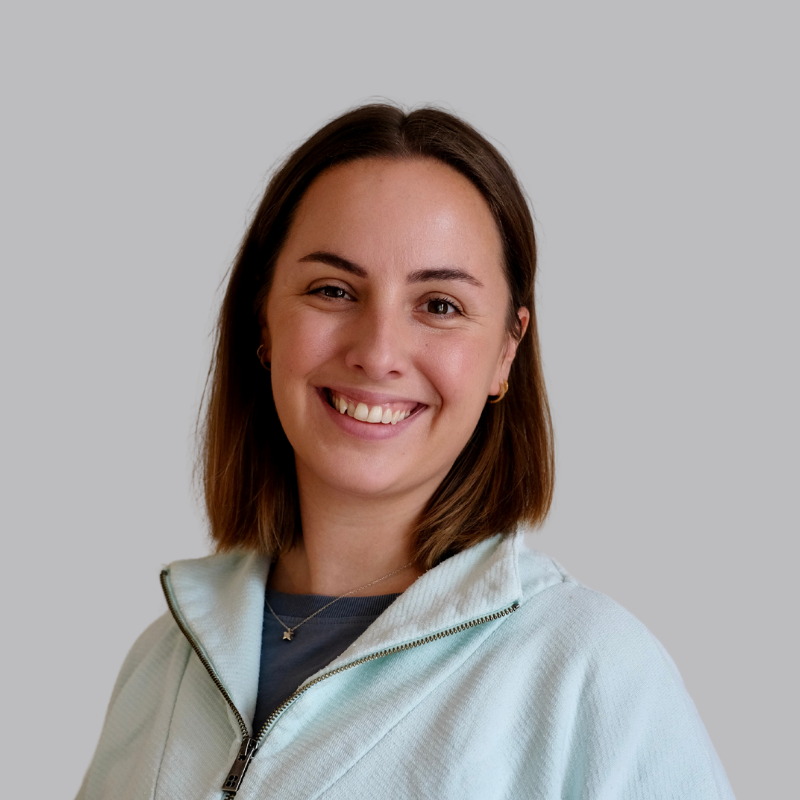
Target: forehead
{"type": "Point", "coordinates": [397, 212]}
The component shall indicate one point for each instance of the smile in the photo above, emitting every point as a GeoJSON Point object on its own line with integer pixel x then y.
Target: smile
{"type": "Point", "coordinates": [385, 413]}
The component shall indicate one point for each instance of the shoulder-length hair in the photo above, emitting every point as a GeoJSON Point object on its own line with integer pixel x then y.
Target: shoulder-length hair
{"type": "Point", "coordinates": [504, 475]}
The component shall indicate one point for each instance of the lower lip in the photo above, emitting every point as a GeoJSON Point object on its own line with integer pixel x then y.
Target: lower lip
{"type": "Point", "coordinates": [368, 431]}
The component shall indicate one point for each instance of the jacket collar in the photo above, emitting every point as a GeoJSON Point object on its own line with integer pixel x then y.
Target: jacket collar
{"type": "Point", "coordinates": [474, 583]}
{"type": "Point", "coordinates": [220, 600]}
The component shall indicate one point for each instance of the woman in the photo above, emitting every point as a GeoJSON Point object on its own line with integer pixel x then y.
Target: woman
{"type": "Point", "coordinates": [376, 437]}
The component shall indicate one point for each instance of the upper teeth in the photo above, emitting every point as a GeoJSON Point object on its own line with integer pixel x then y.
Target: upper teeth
{"type": "Point", "coordinates": [365, 413]}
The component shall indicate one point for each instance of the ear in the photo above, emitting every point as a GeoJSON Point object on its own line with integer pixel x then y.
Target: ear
{"type": "Point", "coordinates": [504, 367]}
{"type": "Point", "coordinates": [265, 339]}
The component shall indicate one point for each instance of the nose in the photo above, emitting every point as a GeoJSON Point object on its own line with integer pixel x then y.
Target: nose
{"type": "Point", "coordinates": [378, 344]}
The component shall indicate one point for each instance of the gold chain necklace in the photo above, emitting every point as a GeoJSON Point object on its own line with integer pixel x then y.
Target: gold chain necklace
{"type": "Point", "coordinates": [289, 632]}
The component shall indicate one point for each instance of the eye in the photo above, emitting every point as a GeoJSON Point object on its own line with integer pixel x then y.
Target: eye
{"type": "Point", "coordinates": [441, 307]}
{"type": "Point", "coordinates": [332, 292]}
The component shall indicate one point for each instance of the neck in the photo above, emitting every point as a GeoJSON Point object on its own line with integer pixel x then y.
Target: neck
{"type": "Point", "coordinates": [347, 542]}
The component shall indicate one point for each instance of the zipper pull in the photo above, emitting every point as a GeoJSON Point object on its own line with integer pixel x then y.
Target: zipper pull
{"type": "Point", "coordinates": [237, 771]}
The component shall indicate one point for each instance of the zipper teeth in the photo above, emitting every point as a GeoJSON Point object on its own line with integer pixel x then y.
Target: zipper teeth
{"type": "Point", "coordinates": [380, 654]}
{"type": "Point", "coordinates": [203, 660]}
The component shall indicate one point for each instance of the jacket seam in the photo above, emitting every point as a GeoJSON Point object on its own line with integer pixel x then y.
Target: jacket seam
{"type": "Point", "coordinates": [172, 712]}
{"type": "Point", "coordinates": [562, 581]}
{"type": "Point", "coordinates": [520, 542]}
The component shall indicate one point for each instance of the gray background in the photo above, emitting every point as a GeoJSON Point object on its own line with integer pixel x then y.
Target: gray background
{"type": "Point", "coordinates": [659, 148]}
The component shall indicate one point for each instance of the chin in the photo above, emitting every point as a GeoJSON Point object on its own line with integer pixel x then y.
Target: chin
{"type": "Point", "coordinates": [368, 484]}
{"type": "Point", "coordinates": [368, 478]}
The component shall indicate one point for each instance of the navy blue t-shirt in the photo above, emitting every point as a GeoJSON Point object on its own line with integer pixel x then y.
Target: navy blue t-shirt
{"type": "Point", "coordinates": [286, 664]}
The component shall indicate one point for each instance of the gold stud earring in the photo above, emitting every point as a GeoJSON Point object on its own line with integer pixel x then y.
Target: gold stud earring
{"type": "Point", "coordinates": [264, 364]}
{"type": "Point", "coordinates": [503, 390]}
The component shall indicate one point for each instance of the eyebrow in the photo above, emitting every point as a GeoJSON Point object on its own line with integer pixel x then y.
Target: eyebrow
{"type": "Point", "coordinates": [443, 274]}
{"type": "Point", "coordinates": [418, 276]}
{"type": "Point", "coordinates": [333, 260]}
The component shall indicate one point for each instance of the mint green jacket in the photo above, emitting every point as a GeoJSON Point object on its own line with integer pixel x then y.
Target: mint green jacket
{"type": "Point", "coordinates": [495, 675]}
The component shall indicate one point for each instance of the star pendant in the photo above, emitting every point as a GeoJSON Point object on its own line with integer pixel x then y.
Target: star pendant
{"type": "Point", "coordinates": [288, 635]}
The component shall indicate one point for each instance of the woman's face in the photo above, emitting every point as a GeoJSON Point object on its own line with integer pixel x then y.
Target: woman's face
{"type": "Point", "coordinates": [385, 326]}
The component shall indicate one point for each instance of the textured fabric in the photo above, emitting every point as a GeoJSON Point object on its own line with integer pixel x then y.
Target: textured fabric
{"type": "Point", "coordinates": [317, 642]}
{"type": "Point", "coordinates": [568, 697]}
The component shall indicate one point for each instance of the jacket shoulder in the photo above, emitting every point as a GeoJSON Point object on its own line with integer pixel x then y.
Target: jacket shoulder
{"type": "Point", "coordinates": [138, 716]}
{"type": "Point", "coordinates": [585, 622]}
{"type": "Point", "coordinates": [627, 721]}
{"type": "Point", "coordinates": [156, 642]}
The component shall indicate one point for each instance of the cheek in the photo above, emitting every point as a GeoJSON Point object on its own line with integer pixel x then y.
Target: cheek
{"type": "Point", "coordinates": [301, 341]}
{"type": "Point", "coordinates": [462, 370]}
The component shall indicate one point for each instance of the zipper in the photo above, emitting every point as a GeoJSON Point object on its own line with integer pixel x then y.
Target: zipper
{"type": "Point", "coordinates": [173, 609]}
{"type": "Point", "coordinates": [251, 744]}
{"type": "Point", "coordinates": [237, 771]}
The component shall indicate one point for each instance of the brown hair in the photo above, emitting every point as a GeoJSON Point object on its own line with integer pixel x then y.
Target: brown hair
{"type": "Point", "coordinates": [504, 474]}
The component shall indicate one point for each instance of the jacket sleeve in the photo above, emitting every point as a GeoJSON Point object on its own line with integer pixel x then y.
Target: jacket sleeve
{"type": "Point", "coordinates": [137, 721]}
